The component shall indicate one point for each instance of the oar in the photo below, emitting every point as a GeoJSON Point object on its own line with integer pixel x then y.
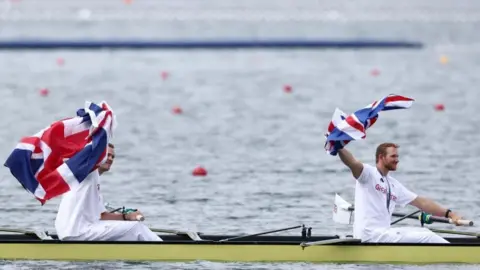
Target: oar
{"type": "Point", "coordinates": [257, 234]}
{"type": "Point", "coordinates": [193, 235]}
{"type": "Point", "coordinates": [456, 232]}
{"type": "Point", "coordinates": [121, 209]}
{"type": "Point", "coordinates": [404, 217]}
{"type": "Point", "coordinates": [427, 218]}
{"type": "Point", "coordinates": [40, 234]}
{"type": "Point", "coordinates": [116, 210]}
{"type": "Point", "coordinates": [13, 230]}
{"type": "Point", "coordinates": [330, 241]}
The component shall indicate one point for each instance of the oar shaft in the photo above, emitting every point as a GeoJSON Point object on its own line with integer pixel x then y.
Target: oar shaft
{"type": "Point", "coordinates": [426, 219]}
{"type": "Point", "coordinates": [10, 230]}
{"type": "Point", "coordinates": [40, 234]}
{"type": "Point", "coordinates": [257, 234]}
{"type": "Point", "coordinates": [437, 219]}
{"type": "Point", "coordinates": [456, 232]}
{"type": "Point", "coordinates": [404, 217]}
{"type": "Point", "coordinates": [116, 210]}
{"type": "Point", "coordinates": [139, 217]}
{"type": "Point", "coordinates": [463, 222]}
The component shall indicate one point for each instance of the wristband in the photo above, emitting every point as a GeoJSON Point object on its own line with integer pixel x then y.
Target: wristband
{"type": "Point", "coordinates": [447, 213]}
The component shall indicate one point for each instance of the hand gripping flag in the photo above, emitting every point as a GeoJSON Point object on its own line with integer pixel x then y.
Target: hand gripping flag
{"type": "Point", "coordinates": [343, 129]}
{"type": "Point", "coordinates": [59, 157]}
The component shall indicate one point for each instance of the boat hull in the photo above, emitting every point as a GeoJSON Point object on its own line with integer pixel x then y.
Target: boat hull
{"type": "Point", "coordinates": [241, 251]}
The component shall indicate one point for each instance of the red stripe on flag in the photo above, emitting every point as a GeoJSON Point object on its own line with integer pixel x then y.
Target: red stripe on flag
{"type": "Point", "coordinates": [54, 185]}
{"type": "Point", "coordinates": [330, 127]}
{"type": "Point", "coordinates": [397, 98]}
{"type": "Point", "coordinates": [356, 125]}
{"type": "Point", "coordinates": [34, 141]}
{"type": "Point", "coordinates": [373, 120]}
{"type": "Point", "coordinates": [74, 143]}
{"type": "Point", "coordinates": [48, 177]}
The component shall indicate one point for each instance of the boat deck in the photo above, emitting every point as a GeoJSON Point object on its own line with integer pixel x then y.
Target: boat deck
{"type": "Point", "coordinates": [214, 239]}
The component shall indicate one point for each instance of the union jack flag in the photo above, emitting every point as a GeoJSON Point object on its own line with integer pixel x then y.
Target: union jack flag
{"type": "Point", "coordinates": [343, 129]}
{"type": "Point", "coordinates": [58, 158]}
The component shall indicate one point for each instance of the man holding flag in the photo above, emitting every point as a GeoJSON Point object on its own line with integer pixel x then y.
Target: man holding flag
{"type": "Point", "coordinates": [64, 159]}
{"type": "Point", "coordinates": [376, 191]}
{"type": "Point", "coordinates": [82, 214]}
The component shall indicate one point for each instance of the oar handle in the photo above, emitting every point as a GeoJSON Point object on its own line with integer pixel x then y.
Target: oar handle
{"type": "Point", "coordinates": [462, 222]}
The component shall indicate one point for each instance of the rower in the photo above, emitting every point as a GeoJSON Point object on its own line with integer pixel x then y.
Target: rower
{"type": "Point", "coordinates": [376, 195]}
{"type": "Point", "coordinates": [82, 214]}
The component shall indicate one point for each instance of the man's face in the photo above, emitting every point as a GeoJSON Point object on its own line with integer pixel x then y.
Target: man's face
{"type": "Point", "coordinates": [390, 160]}
{"type": "Point", "coordinates": [105, 167]}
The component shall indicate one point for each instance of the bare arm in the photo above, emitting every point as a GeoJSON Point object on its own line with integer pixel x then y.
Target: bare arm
{"type": "Point", "coordinates": [432, 207]}
{"type": "Point", "coordinates": [351, 162]}
{"type": "Point", "coordinates": [111, 216]}
{"type": "Point", "coordinates": [119, 216]}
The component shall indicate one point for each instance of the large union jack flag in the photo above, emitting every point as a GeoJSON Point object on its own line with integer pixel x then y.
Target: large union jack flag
{"type": "Point", "coordinates": [343, 129]}
{"type": "Point", "coordinates": [59, 157]}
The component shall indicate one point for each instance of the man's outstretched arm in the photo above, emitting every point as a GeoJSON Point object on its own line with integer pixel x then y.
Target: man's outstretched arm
{"type": "Point", "coordinates": [351, 162]}
{"type": "Point", "coordinates": [429, 206]}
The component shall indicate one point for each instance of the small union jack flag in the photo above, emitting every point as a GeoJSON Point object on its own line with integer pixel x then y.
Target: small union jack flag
{"type": "Point", "coordinates": [343, 129]}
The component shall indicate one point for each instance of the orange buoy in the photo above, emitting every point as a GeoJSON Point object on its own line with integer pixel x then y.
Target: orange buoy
{"type": "Point", "coordinates": [199, 171]}
{"type": "Point", "coordinates": [443, 59]}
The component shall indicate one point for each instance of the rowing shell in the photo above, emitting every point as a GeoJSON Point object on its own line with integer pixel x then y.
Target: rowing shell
{"type": "Point", "coordinates": [322, 249]}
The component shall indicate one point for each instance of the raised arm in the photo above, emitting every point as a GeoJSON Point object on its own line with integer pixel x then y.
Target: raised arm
{"type": "Point", "coordinates": [351, 162]}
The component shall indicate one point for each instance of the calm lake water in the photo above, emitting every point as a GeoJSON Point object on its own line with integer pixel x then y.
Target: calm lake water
{"type": "Point", "coordinates": [262, 147]}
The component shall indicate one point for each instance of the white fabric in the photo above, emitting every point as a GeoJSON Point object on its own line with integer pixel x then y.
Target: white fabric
{"type": "Point", "coordinates": [79, 213]}
{"type": "Point", "coordinates": [117, 230]}
{"type": "Point", "coordinates": [341, 212]}
{"type": "Point", "coordinates": [371, 214]}
{"type": "Point", "coordinates": [80, 207]}
{"type": "Point", "coordinates": [406, 235]}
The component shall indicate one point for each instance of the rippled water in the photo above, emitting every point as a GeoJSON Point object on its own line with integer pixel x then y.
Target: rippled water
{"type": "Point", "coordinates": [263, 148]}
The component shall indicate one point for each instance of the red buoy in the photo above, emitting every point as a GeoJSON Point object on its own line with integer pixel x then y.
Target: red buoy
{"type": "Point", "coordinates": [60, 61]}
{"type": "Point", "coordinates": [164, 75]}
{"type": "Point", "coordinates": [439, 107]}
{"type": "Point", "coordinates": [199, 171]}
{"type": "Point", "coordinates": [177, 110]}
{"type": "Point", "coordinates": [287, 88]}
{"type": "Point", "coordinates": [44, 92]}
{"type": "Point", "coordinates": [375, 72]}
